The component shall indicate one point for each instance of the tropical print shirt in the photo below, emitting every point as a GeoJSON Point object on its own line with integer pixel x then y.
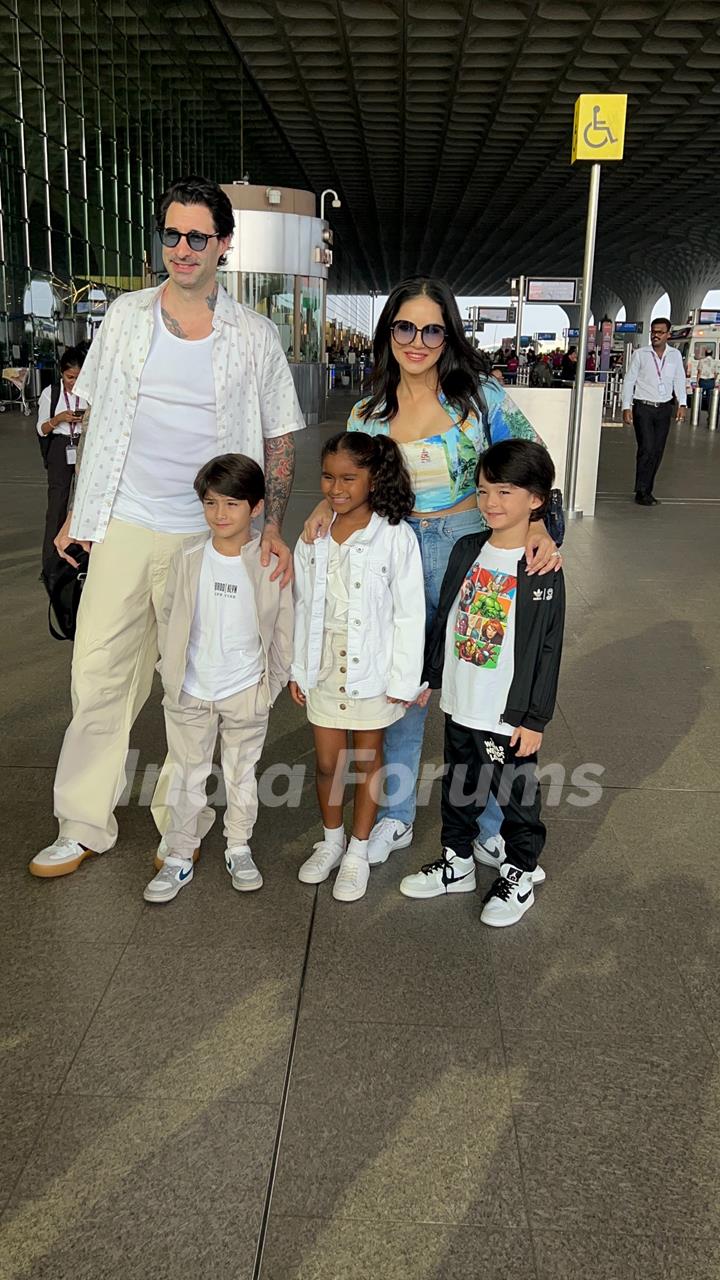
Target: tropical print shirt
{"type": "Point", "coordinates": [442, 466]}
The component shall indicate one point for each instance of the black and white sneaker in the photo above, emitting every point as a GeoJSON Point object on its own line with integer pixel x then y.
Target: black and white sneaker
{"type": "Point", "coordinates": [492, 854]}
{"type": "Point", "coordinates": [509, 898]}
{"type": "Point", "coordinates": [448, 874]}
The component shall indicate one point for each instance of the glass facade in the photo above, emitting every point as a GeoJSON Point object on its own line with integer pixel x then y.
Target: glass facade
{"type": "Point", "coordinates": [102, 104]}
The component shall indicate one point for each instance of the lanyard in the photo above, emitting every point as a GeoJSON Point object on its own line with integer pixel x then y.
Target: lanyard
{"type": "Point", "coordinates": [659, 365]}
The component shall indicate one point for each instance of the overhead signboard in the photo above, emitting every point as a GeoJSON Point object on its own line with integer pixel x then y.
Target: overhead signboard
{"type": "Point", "coordinates": [493, 315]}
{"type": "Point", "coordinates": [599, 127]}
{"type": "Point", "coordinates": [629, 326]}
{"type": "Point", "coordinates": [708, 317]}
{"type": "Point", "coordinates": [538, 289]}
{"type": "Point", "coordinates": [546, 337]}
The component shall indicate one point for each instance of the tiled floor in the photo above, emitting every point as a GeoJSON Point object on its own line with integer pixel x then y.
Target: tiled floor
{"type": "Point", "coordinates": [280, 1086]}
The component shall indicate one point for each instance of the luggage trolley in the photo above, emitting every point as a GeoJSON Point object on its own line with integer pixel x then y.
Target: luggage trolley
{"type": "Point", "coordinates": [18, 380]}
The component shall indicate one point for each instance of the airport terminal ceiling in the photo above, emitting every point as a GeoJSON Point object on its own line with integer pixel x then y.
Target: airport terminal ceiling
{"type": "Point", "coordinates": [446, 128]}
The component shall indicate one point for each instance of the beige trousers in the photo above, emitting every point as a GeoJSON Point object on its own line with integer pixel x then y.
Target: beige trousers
{"type": "Point", "coordinates": [114, 660]}
{"type": "Point", "coordinates": [192, 730]}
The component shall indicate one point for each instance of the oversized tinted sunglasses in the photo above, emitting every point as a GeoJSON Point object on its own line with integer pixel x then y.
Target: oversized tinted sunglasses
{"type": "Point", "coordinates": [404, 331]}
{"type": "Point", "coordinates": [196, 240]}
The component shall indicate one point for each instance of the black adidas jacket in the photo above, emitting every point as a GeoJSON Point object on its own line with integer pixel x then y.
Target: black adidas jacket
{"type": "Point", "coordinates": [539, 622]}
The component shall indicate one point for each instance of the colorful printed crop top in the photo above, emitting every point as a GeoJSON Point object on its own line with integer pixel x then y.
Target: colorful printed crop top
{"type": "Point", "coordinates": [442, 467]}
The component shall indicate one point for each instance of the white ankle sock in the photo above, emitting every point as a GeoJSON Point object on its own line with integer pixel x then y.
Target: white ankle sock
{"type": "Point", "coordinates": [358, 847]}
{"type": "Point", "coordinates": [334, 835]}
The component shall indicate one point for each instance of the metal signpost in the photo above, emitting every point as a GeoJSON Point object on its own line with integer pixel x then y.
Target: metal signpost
{"type": "Point", "coordinates": [598, 136]}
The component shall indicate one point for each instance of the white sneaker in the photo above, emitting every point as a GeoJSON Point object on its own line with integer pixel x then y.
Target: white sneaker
{"type": "Point", "coordinates": [60, 858]}
{"type": "Point", "coordinates": [509, 898]}
{"type": "Point", "coordinates": [245, 875]}
{"type": "Point", "coordinates": [352, 878]}
{"type": "Point", "coordinates": [166, 885]}
{"type": "Point", "coordinates": [325, 857]}
{"type": "Point", "coordinates": [448, 874]}
{"type": "Point", "coordinates": [163, 851]}
{"type": "Point", "coordinates": [386, 836]}
{"type": "Point", "coordinates": [492, 854]}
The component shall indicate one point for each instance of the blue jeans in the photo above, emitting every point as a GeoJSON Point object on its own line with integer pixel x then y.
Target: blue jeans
{"type": "Point", "coordinates": [403, 740]}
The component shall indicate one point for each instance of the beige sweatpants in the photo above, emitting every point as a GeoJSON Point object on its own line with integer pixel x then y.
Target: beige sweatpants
{"type": "Point", "coordinates": [192, 728]}
{"type": "Point", "coordinates": [114, 659]}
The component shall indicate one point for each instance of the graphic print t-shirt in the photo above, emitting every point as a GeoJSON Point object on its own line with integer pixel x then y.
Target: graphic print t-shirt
{"type": "Point", "coordinates": [224, 650]}
{"type": "Point", "coordinates": [480, 642]}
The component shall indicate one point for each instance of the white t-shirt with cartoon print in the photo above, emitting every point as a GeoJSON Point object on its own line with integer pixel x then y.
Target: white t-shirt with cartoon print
{"type": "Point", "coordinates": [480, 642]}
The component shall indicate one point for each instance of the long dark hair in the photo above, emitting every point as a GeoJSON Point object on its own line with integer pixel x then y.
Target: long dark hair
{"type": "Point", "coordinates": [459, 369]}
{"type": "Point", "coordinates": [391, 492]}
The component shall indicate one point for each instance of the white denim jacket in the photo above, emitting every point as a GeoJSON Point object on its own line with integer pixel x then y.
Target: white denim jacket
{"type": "Point", "coordinates": [254, 395]}
{"type": "Point", "coordinates": [386, 615]}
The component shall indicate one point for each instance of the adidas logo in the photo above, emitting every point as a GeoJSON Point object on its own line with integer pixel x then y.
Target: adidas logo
{"type": "Point", "coordinates": [543, 593]}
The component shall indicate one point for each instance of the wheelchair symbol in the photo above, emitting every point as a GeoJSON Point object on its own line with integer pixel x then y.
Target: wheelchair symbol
{"type": "Point", "coordinates": [598, 126]}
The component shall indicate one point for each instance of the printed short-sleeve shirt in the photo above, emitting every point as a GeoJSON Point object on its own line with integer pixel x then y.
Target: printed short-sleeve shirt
{"type": "Point", "coordinates": [442, 466]}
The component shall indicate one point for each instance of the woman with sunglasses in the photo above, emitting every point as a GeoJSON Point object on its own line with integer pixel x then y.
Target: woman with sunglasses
{"type": "Point", "coordinates": [428, 389]}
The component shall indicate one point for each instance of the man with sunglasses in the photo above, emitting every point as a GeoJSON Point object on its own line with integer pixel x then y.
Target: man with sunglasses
{"type": "Point", "coordinates": [176, 376]}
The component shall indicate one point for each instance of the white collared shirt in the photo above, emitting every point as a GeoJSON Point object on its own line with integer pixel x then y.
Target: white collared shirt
{"type": "Point", "coordinates": [655, 378]}
{"type": "Point", "coordinates": [254, 395]}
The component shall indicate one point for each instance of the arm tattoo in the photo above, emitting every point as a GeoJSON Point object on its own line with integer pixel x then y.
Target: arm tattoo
{"type": "Point", "coordinates": [172, 324]}
{"type": "Point", "coordinates": [279, 473]}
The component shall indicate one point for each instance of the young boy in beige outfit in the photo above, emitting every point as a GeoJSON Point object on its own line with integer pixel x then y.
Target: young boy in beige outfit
{"type": "Point", "coordinates": [225, 636]}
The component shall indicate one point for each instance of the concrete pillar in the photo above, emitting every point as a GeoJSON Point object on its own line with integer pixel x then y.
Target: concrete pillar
{"type": "Point", "coordinates": [604, 302]}
{"type": "Point", "coordinates": [687, 292]}
{"type": "Point", "coordinates": [572, 311]}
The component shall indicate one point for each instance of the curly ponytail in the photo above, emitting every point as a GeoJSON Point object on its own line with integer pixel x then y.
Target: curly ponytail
{"type": "Point", "coordinates": [391, 491]}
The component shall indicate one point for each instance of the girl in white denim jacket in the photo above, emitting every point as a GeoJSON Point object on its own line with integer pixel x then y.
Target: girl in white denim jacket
{"type": "Point", "coordinates": [359, 640]}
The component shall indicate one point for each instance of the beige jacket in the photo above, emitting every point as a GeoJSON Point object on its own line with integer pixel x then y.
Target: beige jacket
{"type": "Point", "coordinates": [274, 606]}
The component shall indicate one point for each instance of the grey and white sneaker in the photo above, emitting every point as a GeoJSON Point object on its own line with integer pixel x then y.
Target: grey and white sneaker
{"type": "Point", "coordinates": [509, 898]}
{"type": "Point", "coordinates": [386, 836]}
{"type": "Point", "coordinates": [240, 865]}
{"type": "Point", "coordinates": [166, 885]}
{"type": "Point", "coordinates": [492, 854]}
{"type": "Point", "coordinates": [325, 857]}
{"type": "Point", "coordinates": [448, 874]}
{"type": "Point", "coordinates": [163, 851]}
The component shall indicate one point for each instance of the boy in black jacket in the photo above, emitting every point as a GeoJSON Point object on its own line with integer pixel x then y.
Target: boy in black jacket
{"type": "Point", "coordinates": [494, 649]}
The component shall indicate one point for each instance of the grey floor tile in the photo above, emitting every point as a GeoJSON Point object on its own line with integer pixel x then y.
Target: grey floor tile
{"type": "Point", "coordinates": [608, 1255]}
{"type": "Point", "coordinates": [640, 1166]}
{"type": "Point", "coordinates": [54, 991]}
{"type": "Point", "coordinates": [564, 974]}
{"type": "Point", "coordinates": [131, 1189]}
{"type": "Point", "coordinates": [383, 959]}
{"type": "Point", "coordinates": [570, 1072]}
{"type": "Point", "coordinates": [21, 1120]}
{"type": "Point", "coordinates": [401, 1124]}
{"type": "Point", "coordinates": [328, 1249]}
{"type": "Point", "coordinates": [205, 1022]}
{"type": "Point", "coordinates": [100, 904]}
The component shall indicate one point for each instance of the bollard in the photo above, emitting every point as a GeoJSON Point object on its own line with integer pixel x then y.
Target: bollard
{"type": "Point", "coordinates": [713, 409]}
{"type": "Point", "coordinates": [695, 410]}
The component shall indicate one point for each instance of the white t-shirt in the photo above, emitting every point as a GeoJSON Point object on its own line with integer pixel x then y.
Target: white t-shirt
{"type": "Point", "coordinates": [480, 642]}
{"type": "Point", "coordinates": [224, 650]}
{"type": "Point", "coordinates": [174, 432]}
{"type": "Point", "coordinates": [67, 400]}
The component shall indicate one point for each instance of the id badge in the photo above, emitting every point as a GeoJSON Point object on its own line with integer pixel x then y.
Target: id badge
{"type": "Point", "coordinates": [71, 454]}
{"type": "Point", "coordinates": [662, 389]}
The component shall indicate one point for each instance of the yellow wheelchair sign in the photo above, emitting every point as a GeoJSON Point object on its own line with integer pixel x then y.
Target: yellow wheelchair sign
{"type": "Point", "coordinates": [599, 129]}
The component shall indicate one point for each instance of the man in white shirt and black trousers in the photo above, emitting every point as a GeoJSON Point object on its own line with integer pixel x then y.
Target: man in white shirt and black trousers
{"type": "Point", "coordinates": [176, 376]}
{"type": "Point", "coordinates": [655, 378]}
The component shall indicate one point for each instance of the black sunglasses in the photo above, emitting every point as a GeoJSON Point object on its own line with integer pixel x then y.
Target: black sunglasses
{"type": "Point", "coordinates": [196, 240]}
{"type": "Point", "coordinates": [404, 332]}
